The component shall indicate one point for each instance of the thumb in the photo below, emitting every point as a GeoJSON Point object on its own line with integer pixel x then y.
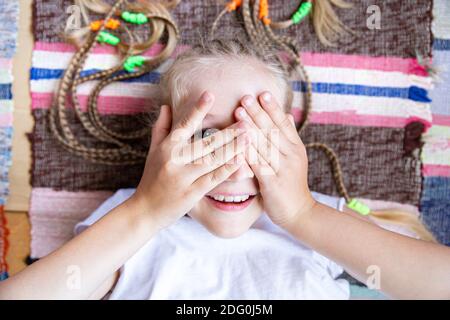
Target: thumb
{"type": "Point", "coordinates": [291, 118]}
{"type": "Point", "coordinates": [161, 128]}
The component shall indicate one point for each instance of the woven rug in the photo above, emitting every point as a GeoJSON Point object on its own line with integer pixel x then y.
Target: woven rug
{"type": "Point", "coordinates": [370, 103]}
{"type": "Point", "coordinates": [435, 201]}
{"type": "Point", "coordinates": [9, 12]}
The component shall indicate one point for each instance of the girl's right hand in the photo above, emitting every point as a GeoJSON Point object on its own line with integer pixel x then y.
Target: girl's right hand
{"type": "Point", "coordinates": [179, 172]}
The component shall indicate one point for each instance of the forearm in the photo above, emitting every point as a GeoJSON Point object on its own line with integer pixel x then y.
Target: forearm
{"type": "Point", "coordinates": [77, 269]}
{"type": "Point", "coordinates": [409, 268]}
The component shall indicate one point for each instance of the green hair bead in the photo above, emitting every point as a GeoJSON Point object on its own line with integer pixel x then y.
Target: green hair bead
{"type": "Point", "coordinates": [132, 62]}
{"type": "Point", "coordinates": [105, 37]}
{"type": "Point", "coordinates": [301, 12]}
{"type": "Point", "coordinates": [359, 207]}
{"type": "Point", "coordinates": [135, 18]}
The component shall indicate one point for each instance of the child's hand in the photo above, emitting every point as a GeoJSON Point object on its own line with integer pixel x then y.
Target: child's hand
{"type": "Point", "coordinates": [278, 158]}
{"type": "Point", "coordinates": [172, 183]}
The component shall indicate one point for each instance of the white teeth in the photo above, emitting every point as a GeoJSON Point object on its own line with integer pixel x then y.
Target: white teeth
{"type": "Point", "coordinates": [231, 198]}
{"type": "Point", "coordinates": [219, 198]}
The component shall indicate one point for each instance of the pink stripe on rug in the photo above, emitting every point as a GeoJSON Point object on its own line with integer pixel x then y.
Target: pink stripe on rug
{"type": "Point", "coordinates": [6, 120]}
{"type": "Point", "coordinates": [53, 215]}
{"type": "Point", "coordinates": [352, 119]}
{"type": "Point", "coordinates": [390, 64]}
{"type": "Point", "coordinates": [441, 119]}
{"type": "Point", "coordinates": [106, 104]}
{"type": "Point", "coordinates": [101, 49]}
{"type": "Point", "coordinates": [435, 170]}
{"type": "Point", "coordinates": [5, 63]}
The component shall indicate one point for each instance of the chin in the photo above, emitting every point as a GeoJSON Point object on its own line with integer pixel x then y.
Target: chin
{"type": "Point", "coordinates": [227, 223]}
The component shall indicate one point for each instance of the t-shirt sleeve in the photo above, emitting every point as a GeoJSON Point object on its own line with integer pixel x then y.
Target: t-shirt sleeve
{"type": "Point", "coordinates": [116, 199]}
{"type": "Point", "coordinates": [333, 202]}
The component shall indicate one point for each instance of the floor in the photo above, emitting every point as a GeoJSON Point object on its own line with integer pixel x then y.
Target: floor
{"type": "Point", "coordinates": [19, 175]}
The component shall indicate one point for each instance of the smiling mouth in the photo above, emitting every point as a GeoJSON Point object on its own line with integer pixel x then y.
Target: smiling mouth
{"type": "Point", "coordinates": [230, 203]}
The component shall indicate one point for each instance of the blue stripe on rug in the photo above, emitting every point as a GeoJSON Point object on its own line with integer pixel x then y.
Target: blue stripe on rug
{"type": "Point", "coordinates": [5, 91]}
{"type": "Point", "coordinates": [441, 44]}
{"type": "Point", "coordinates": [48, 74]}
{"type": "Point", "coordinates": [435, 207]}
{"type": "Point", "coordinates": [412, 93]}
{"type": "Point", "coordinates": [3, 276]}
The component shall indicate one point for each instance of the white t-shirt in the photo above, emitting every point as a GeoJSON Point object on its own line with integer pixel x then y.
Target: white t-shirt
{"type": "Point", "coordinates": [185, 261]}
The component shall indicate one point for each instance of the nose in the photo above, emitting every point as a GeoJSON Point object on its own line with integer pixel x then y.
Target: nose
{"type": "Point", "coordinates": [244, 172]}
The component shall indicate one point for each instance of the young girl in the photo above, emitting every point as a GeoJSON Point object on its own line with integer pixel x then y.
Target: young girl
{"type": "Point", "coordinates": [253, 230]}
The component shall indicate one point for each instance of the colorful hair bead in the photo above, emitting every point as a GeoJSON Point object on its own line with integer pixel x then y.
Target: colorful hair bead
{"type": "Point", "coordinates": [112, 24]}
{"type": "Point", "coordinates": [132, 62]}
{"type": "Point", "coordinates": [135, 18]}
{"type": "Point", "coordinates": [105, 37]}
{"type": "Point", "coordinates": [302, 12]}
{"type": "Point", "coordinates": [233, 5]}
{"type": "Point", "coordinates": [359, 207]}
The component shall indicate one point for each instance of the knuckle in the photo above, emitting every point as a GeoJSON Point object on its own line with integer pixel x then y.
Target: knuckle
{"type": "Point", "coordinates": [213, 156]}
{"type": "Point", "coordinates": [215, 176]}
{"type": "Point", "coordinates": [207, 142]}
{"type": "Point", "coordinates": [286, 122]}
{"type": "Point", "coordinates": [167, 167]}
{"type": "Point", "coordinates": [184, 122]}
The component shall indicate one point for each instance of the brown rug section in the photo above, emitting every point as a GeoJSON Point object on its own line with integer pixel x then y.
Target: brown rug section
{"type": "Point", "coordinates": [372, 158]}
{"type": "Point", "coordinates": [404, 25]}
{"type": "Point", "coordinates": [372, 161]}
{"type": "Point", "coordinates": [55, 167]}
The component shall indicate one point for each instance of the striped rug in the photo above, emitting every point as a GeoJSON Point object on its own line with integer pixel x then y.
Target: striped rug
{"type": "Point", "coordinates": [435, 201]}
{"type": "Point", "coordinates": [370, 96]}
{"type": "Point", "coordinates": [9, 13]}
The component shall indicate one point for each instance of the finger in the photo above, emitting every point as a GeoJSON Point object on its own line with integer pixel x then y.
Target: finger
{"type": "Point", "coordinates": [274, 135]}
{"type": "Point", "coordinates": [207, 182]}
{"type": "Point", "coordinates": [271, 145]}
{"type": "Point", "coordinates": [259, 116]}
{"type": "Point", "coordinates": [161, 128]}
{"type": "Point", "coordinates": [218, 157]}
{"type": "Point", "coordinates": [187, 126]}
{"type": "Point", "coordinates": [278, 116]}
{"type": "Point", "coordinates": [202, 147]}
{"type": "Point", "coordinates": [262, 170]}
{"type": "Point", "coordinates": [291, 118]}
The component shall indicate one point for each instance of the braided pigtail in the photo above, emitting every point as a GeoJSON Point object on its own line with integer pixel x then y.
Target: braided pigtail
{"type": "Point", "coordinates": [326, 23]}
{"type": "Point", "coordinates": [123, 153]}
{"type": "Point", "coordinates": [260, 30]}
{"type": "Point", "coordinates": [404, 219]}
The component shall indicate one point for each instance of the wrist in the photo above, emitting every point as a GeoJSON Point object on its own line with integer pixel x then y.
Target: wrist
{"type": "Point", "coordinates": [300, 222]}
{"type": "Point", "coordinates": [140, 210]}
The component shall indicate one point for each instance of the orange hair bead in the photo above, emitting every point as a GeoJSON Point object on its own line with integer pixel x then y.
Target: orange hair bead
{"type": "Point", "coordinates": [264, 12]}
{"type": "Point", "coordinates": [233, 5]}
{"type": "Point", "coordinates": [112, 24]}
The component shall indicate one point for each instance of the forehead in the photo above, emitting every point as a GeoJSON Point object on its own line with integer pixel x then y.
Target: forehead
{"type": "Point", "coordinates": [228, 84]}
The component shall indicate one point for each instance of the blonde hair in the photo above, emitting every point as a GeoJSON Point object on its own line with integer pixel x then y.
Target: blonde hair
{"type": "Point", "coordinates": [217, 53]}
{"type": "Point", "coordinates": [175, 84]}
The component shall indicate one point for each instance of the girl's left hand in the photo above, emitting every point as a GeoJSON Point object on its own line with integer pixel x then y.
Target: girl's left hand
{"type": "Point", "coordinates": [278, 159]}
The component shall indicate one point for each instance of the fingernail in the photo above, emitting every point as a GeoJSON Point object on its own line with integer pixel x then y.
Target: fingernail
{"type": "Point", "coordinates": [266, 97]}
{"type": "Point", "coordinates": [240, 159]}
{"type": "Point", "coordinates": [248, 101]}
{"type": "Point", "coordinates": [242, 113]}
{"type": "Point", "coordinates": [206, 97]}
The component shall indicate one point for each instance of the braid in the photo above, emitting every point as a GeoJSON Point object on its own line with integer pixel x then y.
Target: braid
{"type": "Point", "coordinates": [335, 165]}
{"type": "Point", "coordinates": [259, 30]}
{"type": "Point", "coordinates": [122, 153]}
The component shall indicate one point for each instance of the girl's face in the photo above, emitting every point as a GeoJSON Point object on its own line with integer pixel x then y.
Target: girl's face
{"type": "Point", "coordinates": [232, 207]}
